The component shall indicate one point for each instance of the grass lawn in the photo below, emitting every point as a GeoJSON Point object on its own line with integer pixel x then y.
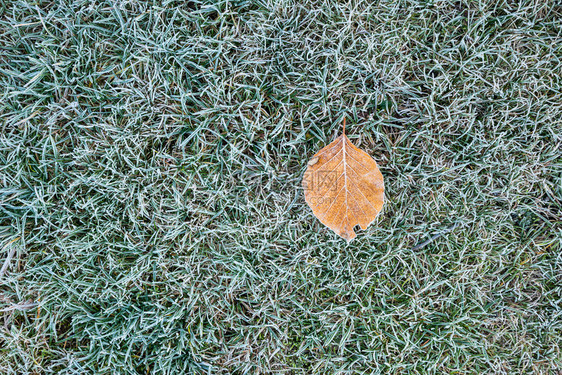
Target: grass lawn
{"type": "Point", "coordinates": [152, 219]}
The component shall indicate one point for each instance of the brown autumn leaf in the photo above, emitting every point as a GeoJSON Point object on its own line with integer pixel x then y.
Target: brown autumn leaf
{"type": "Point", "coordinates": [344, 187]}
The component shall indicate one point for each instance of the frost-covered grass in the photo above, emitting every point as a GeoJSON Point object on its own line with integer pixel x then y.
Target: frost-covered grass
{"type": "Point", "coordinates": [151, 217]}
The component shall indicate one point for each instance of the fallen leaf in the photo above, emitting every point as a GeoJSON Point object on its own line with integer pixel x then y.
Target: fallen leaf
{"type": "Point", "coordinates": [344, 187]}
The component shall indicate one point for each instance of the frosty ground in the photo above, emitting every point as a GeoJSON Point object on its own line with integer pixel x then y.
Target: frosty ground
{"type": "Point", "coordinates": [151, 216]}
